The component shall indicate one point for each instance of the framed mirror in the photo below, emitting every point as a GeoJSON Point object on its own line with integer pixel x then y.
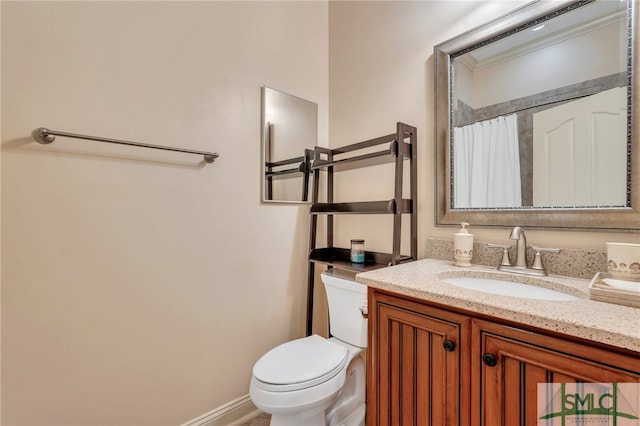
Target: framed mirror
{"type": "Point", "coordinates": [536, 116]}
{"type": "Point", "coordinates": [289, 135]}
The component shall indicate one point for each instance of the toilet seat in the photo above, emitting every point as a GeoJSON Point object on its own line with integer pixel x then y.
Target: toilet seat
{"type": "Point", "coordinates": [300, 364]}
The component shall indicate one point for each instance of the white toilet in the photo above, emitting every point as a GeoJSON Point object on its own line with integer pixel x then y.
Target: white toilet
{"type": "Point", "coordinates": [315, 381]}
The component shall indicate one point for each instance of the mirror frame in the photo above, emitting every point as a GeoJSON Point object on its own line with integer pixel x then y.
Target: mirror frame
{"type": "Point", "coordinates": [595, 219]}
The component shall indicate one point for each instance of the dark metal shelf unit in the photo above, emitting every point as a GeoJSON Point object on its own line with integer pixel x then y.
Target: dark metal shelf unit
{"type": "Point", "coordinates": [400, 146]}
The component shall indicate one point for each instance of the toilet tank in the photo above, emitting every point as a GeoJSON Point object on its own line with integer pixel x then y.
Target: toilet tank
{"type": "Point", "coordinates": [345, 297]}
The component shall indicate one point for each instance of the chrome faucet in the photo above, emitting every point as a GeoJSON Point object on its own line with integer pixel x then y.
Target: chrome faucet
{"type": "Point", "coordinates": [517, 233]}
{"type": "Point", "coordinates": [520, 267]}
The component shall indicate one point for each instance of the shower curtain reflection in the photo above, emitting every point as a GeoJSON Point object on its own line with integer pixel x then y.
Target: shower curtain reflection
{"type": "Point", "coordinates": [486, 172]}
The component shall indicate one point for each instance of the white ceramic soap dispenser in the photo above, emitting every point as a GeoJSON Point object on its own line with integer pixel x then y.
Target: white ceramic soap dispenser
{"type": "Point", "coordinates": [463, 246]}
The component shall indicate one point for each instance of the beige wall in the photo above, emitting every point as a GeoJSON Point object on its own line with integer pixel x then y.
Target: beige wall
{"type": "Point", "coordinates": [140, 286]}
{"type": "Point", "coordinates": [381, 71]}
{"type": "Point", "coordinates": [137, 286]}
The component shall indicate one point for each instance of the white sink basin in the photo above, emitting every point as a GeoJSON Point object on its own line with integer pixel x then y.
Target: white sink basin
{"type": "Point", "coordinates": [508, 288]}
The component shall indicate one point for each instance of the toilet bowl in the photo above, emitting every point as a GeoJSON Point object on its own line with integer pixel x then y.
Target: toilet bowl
{"type": "Point", "coordinates": [315, 381]}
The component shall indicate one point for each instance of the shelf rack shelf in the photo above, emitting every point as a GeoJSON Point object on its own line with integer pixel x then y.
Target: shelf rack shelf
{"type": "Point", "coordinates": [363, 207]}
{"type": "Point", "coordinates": [394, 148]}
{"type": "Point", "coordinates": [340, 258]}
{"type": "Point", "coordinates": [301, 167]}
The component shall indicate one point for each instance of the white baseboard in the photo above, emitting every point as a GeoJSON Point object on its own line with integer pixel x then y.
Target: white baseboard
{"type": "Point", "coordinates": [233, 413]}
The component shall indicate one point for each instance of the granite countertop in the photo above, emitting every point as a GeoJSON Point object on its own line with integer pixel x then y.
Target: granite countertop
{"type": "Point", "coordinates": [601, 322]}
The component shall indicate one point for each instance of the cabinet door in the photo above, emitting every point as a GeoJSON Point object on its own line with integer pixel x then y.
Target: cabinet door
{"type": "Point", "coordinates": [510, 364]}
{"type": "Point", "coordinates": [415, 359]}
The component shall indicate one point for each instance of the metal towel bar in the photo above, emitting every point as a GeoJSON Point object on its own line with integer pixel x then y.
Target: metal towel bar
{"type": "Point", "coordinates": [46, 136]}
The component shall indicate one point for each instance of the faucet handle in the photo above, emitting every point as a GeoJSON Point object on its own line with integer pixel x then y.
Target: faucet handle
{"type": "Point", "coordinates": [537, 261]}
{"type": "Point", "coordinates": [505, 253]}
{"type": "Point", "coordinates": [545, 249]}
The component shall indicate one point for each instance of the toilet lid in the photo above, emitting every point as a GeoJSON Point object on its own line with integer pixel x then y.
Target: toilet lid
{"type": "Point", "coordinates": [300, 361]}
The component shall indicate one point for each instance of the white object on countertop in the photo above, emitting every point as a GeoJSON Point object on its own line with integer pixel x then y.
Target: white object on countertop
{"type": "Point", "coordinates": [463, 246]}
{"type": "Point", "coordinates": [623, 260]}
{"type": "Point", "coordinates": [627, 285]}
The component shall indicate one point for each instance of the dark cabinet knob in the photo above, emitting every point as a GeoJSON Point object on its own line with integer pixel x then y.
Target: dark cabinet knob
{"type": "Point", "coordinates": [449, 345]}
{"type": "Point", "coordinates": [490, 360]}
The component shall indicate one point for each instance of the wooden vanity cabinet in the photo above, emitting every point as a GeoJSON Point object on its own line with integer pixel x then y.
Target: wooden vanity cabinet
{"type": "Point", "coordinates": [418, 366]}
{"type": "Point", "coordinates": [508, 363]}
{"type": "Point", "coordinates": [431, 366]}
